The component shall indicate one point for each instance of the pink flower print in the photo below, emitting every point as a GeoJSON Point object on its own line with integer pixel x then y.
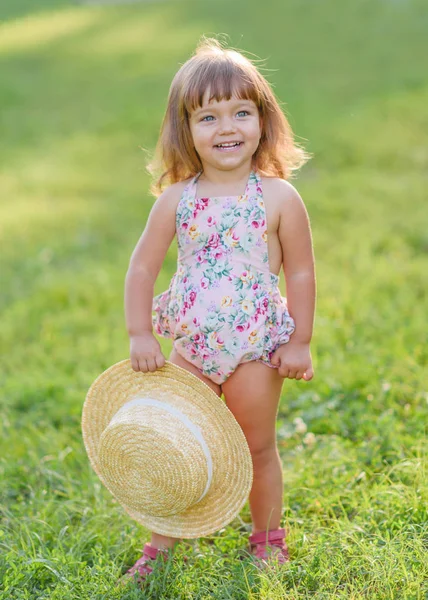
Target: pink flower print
{"type": "Point", "coordinates": [247, 277]}
{"type": "Point", "coordinates": [204, 283]}
{"type": "Point", "coordinates": [263, 305]}
{"type": "Point", "coordinates": [218, 254]}
{"type": "Point", "coordinates": [214, 240]}
{"type": "Point", "coordinates": [200, 204]}
{"type": "Point", "coordinates": [204, 353]}
{"type": "Point", "coordinates": [211, 221]}
{"type": "Point", "coordinates": [196, 322]}
{"type": "Point", "coordinates": [243, 327]}
{"type": "Point", "coordinates": [255, 286]}
{"type": "Point", "coordinates": [255, 224]}
{"type": "Point", "coordinates": [199, 340]}
{"type": "Point", "coordinates": [184, 279]}
{"type": "Point", "coordinates": [201, 256]}
{"type": "Point", "coordinates": [188, 302]}
{"type": "Point", "coordinates": [185, 225]}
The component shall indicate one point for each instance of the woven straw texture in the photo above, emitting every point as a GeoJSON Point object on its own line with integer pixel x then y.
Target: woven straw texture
{"type": "Point", "coordinates": [145, 461]}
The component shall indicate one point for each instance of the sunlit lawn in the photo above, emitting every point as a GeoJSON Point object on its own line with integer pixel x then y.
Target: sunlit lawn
{"type": "Point", "coordinates": [82, 93]}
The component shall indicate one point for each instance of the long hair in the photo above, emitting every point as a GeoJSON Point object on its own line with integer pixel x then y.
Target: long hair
{"type": "Point", "coordinates": [225, 73]}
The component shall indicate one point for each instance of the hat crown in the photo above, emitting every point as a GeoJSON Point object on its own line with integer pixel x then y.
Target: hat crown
{"type": "Point", "coordinates": [160, 449]}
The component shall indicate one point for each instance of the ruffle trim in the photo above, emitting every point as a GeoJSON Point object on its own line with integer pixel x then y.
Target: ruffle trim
{"type": "Point", "coordinates": [162, 322]}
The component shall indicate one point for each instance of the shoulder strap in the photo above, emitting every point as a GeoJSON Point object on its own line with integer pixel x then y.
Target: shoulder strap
{"type": "Point", "coordinates": [254, 185]}
{"type": "Point", "coordinates": [190, 189]}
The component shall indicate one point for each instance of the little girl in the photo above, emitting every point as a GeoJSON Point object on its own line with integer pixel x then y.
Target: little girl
{"type": "Point", "coordinates": [226, 151]}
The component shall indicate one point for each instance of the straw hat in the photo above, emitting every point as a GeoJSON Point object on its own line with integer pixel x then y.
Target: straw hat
{"type": "Point", "coordinates": [167, 448]}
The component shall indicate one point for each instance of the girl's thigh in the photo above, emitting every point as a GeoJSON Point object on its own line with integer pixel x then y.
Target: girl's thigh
{"type": "Point", "coordinates": [252, 394]}
{"type": "Point", "coordinates": [177, 359]}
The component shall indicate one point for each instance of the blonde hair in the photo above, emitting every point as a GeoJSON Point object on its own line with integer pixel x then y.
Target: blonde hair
{"type": "Point", "coordinates": [225, 72]}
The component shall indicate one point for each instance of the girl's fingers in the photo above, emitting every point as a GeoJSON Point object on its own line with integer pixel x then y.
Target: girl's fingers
{"type": "Point", "coordinates": [151, 365]}
{"type": "Point", "coordinates": [284, 372]}
{"type": "Point", "coordinates": [160, 361]}
{"type": "Point", "coordinates": [287, 372]}
{"type": "Point", "coordinates": [308, 375]}
{"type": "Point", "coordinates": [148, 364]}
{"type": "Point", "coordinates": [143, 365]}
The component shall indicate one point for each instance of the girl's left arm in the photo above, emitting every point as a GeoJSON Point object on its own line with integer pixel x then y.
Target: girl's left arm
{"type": "Point", "coordinates": [293, 359]}
{"type": "Point", "coordinates": [298, 263]}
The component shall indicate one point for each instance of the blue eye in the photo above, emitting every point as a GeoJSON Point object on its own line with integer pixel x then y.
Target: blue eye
{"type": "Point", "coordinates": [207, 117]}
{"type": "Point", "coordinates": [243, 111]}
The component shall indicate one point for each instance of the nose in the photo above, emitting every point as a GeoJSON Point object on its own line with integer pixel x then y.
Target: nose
{"type": "Point", "coordinates": [227, 125]}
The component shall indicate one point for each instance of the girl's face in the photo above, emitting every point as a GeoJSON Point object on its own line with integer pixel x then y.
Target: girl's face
{"type": "Point", "coordinates": [226, 134]}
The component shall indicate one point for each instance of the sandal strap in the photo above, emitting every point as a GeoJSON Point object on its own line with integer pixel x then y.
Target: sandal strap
{"type": "Point", "coordinates": [142, 566]}
{"type": "Point", "coordinates": [264, 537]}
{"type": "Point", "coordinates": [151, 552]}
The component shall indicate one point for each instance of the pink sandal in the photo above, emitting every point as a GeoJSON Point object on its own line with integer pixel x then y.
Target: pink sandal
{"type": "Point", "coordinates": [142, 568]}
{"type": "Point", "coordinates": [269, 546]}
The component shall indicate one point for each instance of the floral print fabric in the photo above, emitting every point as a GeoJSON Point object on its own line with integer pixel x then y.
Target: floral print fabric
{"type": "Point", "coordinates": [223, 306]}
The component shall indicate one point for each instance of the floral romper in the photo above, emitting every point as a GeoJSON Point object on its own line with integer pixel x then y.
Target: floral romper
{"type": "Point", "coordinates": [223, 306]}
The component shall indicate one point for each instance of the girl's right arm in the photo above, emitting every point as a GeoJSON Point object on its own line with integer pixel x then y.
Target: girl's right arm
{"type": "Point", "coordinates": [145, 264]}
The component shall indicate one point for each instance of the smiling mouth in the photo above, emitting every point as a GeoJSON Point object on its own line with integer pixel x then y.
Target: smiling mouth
{"type": "Point", "coordinates": [228, 145]}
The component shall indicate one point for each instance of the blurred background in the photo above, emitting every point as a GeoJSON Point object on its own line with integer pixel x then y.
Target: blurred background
{"type": "Point", "coordinates": [83, 88]}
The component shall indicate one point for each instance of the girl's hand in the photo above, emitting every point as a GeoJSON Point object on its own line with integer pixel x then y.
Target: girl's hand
{"type": "Point", "coordinates": [294, 361]}
{"type": "Point", "coordinates": [146, 353]}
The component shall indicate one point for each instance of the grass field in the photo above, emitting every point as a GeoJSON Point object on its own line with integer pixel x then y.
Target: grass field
{"type": "Point", "coordinates": [82, 92]}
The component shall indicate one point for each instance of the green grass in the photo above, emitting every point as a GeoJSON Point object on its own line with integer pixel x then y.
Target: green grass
{"type": "Point", "coordinates": [82, 93]}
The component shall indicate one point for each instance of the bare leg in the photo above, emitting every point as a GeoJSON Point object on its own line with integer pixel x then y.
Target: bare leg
{"type": "Point", "coordinates": [162, 541]}
{"type": "Point", "coordinates": [252, 393]}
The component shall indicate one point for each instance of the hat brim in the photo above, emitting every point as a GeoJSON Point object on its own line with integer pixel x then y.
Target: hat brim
{"type": "Point", "coordinates": [231, 457]}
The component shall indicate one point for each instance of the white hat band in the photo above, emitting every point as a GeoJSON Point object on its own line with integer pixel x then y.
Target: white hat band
{"type": "Point", "coordinates": [194, 429]}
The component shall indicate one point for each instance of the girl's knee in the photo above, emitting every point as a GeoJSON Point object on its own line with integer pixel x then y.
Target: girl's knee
{"type": "Point", "coordinates": [263, 453]}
